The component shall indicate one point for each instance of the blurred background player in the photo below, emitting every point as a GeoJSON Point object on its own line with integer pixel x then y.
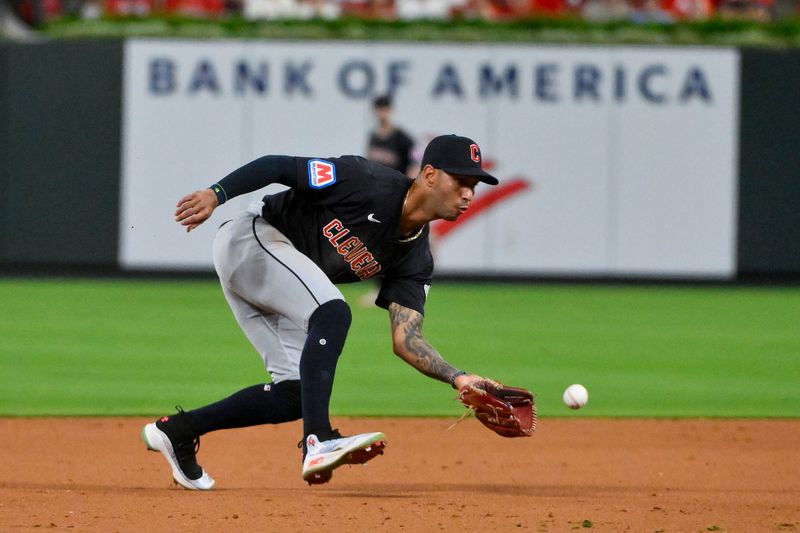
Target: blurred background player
{"type": "Point", "coordinates": [388, 144]}
{"type": "Point", "coordinates": [391, 146]}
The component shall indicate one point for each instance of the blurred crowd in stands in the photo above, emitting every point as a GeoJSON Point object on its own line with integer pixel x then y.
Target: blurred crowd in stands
{"type": "Point", "coordinates": [642, 11]}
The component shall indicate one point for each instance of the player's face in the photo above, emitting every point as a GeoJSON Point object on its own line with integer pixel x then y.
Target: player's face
{"type": "Point", "coordinates": [383, 114]}
{"type": "Point", "coordinates": [455, 194]}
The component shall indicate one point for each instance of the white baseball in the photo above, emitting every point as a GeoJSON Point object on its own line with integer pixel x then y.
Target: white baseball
{"type": "Point", "coordinates": [576, 396]}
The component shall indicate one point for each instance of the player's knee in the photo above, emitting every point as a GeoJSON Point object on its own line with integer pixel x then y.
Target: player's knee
{"type": "Point", "coordinates": [332, 315]}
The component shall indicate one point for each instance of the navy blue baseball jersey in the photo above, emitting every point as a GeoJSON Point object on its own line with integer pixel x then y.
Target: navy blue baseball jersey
{"type": "Point", "coordinates": [344, 214]}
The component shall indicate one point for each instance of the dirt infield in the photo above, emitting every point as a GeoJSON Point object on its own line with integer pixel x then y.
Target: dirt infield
{"type": "Point", "coordinates": [93, 474]}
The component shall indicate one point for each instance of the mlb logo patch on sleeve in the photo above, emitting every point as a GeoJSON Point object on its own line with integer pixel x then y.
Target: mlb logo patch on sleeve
{"type": "Point", "coordinates": [321, 173]}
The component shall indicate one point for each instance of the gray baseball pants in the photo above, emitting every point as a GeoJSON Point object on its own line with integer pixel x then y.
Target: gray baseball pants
{"type": "Point", "coordinates": [272, 289]}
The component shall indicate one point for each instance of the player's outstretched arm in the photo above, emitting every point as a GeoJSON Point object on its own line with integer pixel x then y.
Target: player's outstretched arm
{"type": "Point", "coordinates": [195, 208]}
{"type": "Point", "coordinates": [409, 343]}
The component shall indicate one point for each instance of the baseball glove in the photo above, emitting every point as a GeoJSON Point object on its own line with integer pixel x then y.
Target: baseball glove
{"type": "Point", "coordinates": [508, 411]}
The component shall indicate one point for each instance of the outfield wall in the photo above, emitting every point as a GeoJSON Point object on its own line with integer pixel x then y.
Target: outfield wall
{"type": "Point", "coordinates": [60, 129]}
{"type": "Point", "coordinates": [647, 162]}
{"type": "Point", "coordinates": [769, 147]}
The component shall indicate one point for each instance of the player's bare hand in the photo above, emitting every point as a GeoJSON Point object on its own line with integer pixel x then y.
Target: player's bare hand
{"type": "Point", "coordinates": [195, 208]}
{"type": "Point", "coordinates": [464, 380]}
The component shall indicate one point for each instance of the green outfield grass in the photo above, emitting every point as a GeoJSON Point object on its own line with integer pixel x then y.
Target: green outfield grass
{"type": "Point", "coordinates": [139, 347]}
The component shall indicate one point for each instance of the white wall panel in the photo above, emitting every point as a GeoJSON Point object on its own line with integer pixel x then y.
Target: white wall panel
{"type": "Point", "coordinates": [629, 151]}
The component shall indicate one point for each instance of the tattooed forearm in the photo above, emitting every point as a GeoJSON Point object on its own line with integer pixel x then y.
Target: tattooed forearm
{"type": "Point", "coordinates": [414, 348]}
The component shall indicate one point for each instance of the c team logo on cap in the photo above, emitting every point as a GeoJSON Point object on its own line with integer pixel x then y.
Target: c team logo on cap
{"type": "Point", "coordinates": [475, 153]}
{"type": "Point", "coordinates": [321, 173]}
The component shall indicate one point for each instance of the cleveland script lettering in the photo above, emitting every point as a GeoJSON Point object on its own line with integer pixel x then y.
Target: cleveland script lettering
{"type": "Point", "coordinates": [352, 249]}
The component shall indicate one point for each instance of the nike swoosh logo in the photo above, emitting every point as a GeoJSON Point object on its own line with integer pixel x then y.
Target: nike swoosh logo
{"type": "Point", "coordinates": [371, 218]}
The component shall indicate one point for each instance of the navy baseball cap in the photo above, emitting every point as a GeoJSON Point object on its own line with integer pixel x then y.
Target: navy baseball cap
{"type": "Point", "coordinates": [456, 155]}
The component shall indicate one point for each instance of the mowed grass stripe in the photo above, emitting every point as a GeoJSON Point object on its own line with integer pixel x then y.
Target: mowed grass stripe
{"type": "Point", "coordinates": [138, 347]}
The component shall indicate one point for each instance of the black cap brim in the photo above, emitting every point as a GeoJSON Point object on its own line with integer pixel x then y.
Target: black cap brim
{"type": "Point", "coordinates": [475, 172]}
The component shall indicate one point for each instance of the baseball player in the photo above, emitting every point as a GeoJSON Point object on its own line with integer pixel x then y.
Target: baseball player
{"type": "Point", "coordinates": [343, 219]}
{"type": "Point", "coordinates": [388, 143]}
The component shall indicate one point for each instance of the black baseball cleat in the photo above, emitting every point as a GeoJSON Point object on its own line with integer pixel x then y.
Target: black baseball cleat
{"type": "Point", "coordinates": [173, 437]}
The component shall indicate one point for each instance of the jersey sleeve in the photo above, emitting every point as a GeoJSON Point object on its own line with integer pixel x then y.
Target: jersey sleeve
{"type": "Point", "coordinates": [256, 175]}
{"type": "Point", "coordinates": [333, 179]}
{"type": "Point", "coordinates": [318, 178]}
{"type": "Point", "coordinates": [408, 283]}
{"type": "Point", "coordinates": [344, 181]}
